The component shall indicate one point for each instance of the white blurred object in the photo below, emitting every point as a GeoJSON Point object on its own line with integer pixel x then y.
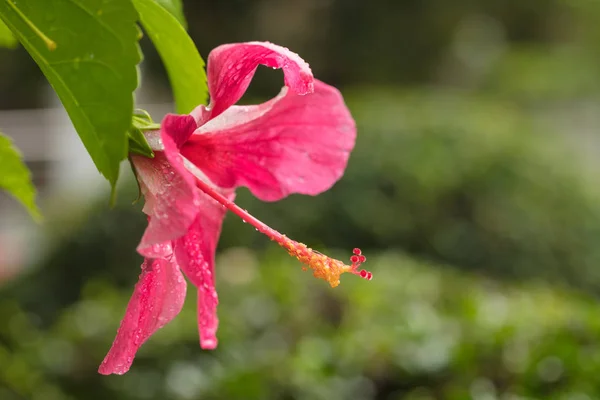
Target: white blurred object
{"type": "Point", "coordinates": [11, 253]}
{"type": "Point", "coordinates": [74, 175]}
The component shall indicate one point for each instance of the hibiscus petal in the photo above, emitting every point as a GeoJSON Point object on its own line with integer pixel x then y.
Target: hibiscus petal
{"type": "Point", "coordinates": [169, 201]}
{"type": "Point", "coordinates": [177, 127]}
{"type": "Point", "coordinates": [168, 188]}
{"type": "Point", "coordinates": [291, 144]}
{"type": "Point", "coordinates": [157, 298]}
{"type": "Point", "coordinates": [195, 254]}
{"type": "Point", "coordinates": [231, 67]}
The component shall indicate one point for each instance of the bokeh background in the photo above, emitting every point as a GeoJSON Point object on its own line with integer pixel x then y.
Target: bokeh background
{"type": "Point", "coordinates": [473, 191]}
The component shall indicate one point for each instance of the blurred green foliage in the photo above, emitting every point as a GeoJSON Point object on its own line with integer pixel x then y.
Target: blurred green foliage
{"type": "Point", "coordinates": [517, 47]}
{"type": "Point", "coordinates": [414, 332]}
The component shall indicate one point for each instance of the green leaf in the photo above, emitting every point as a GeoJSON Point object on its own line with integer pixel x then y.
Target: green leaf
{"type": "Point", "coordinates": [89, 53]}
{"type": "Point", "coordinates": [142, 121]}
{"type": "Point", "coordinates": [7, 39]}
{"type": "Point", "coordinates": [142, 115]}
{"type": "Point", "coordinates": [175, 7]}
{"type": "Point", "coordinates": [138, 143]}
{"type": "Point", "coordinates": [179, 54]}
{"type": "Point", "coordinates": [15, 177]}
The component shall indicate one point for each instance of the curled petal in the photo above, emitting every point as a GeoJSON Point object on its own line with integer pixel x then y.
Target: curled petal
{"type": "Point", "coordinates": [195, 254]}
{"type": "Point", "coordinates": [291, 144]}
{"type": "Point", "coordinates": [232, 66]}
{"type": "Point", "coordinates": [178, 128]}
{"type": "Point", "coordinates": [157, 298]}
{"type": "Point", "coordinates": [169, 189]}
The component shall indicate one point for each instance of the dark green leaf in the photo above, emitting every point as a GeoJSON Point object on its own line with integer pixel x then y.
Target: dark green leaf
{"type": "Point", "coordinates": [15, 177]}
{"type": "Point", "coordinates": [88, 51]}
{"type": "Point", "coordinates": [179, 54]}
{"type": "Point", "coordinates": [7, 39]}
{"type": "Point", "coordinates": [175, 7]}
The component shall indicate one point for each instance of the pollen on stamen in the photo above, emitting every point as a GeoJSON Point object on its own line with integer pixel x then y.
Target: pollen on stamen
{"type": "Point", "coordinates": [323, 267]}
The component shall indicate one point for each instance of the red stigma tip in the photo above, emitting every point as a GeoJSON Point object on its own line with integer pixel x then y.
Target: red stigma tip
{"type": "Point", "coordinates": [357, 259]}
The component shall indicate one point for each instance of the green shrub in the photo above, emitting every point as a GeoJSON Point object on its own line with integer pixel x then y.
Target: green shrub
{"type": "Point", "coordinates": [416, 331]}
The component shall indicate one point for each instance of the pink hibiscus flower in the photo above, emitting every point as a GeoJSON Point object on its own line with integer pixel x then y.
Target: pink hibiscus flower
{"type": "Point", "coordinates": [298, 142]}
